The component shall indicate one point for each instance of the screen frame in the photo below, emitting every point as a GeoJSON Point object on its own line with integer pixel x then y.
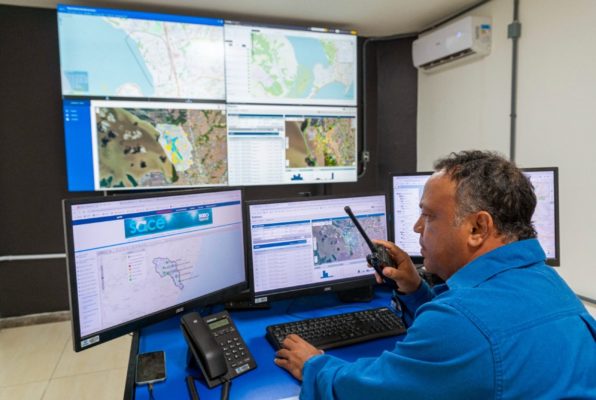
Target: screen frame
{"type": "Point", "coordinates": [121, 329]}
{"type": "Point", "coordinates": [552, 261]}
{"type": "Point", "coordinates": [310, 289]}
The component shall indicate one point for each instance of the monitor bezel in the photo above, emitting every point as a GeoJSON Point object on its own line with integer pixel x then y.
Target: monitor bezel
{"type": "Point", "coordinates": [418, 260]}
{"type": "Point", "coordinates": [556, 260]}
{"type": "Point", "coordinates": [310, 289]}
{"type": "Point", "coordinates": [116, 331]}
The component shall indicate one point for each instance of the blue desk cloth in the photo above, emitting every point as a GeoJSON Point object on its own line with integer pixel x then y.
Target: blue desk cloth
{"type": "Point", "coordinates": [505, 326]}
{"type": "Point", "coordinates": [267, 381]}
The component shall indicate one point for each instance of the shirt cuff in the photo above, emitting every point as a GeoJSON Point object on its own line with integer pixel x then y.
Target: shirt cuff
{"type": "Point", "coordinates": [417, 298]}
{"type": "Point", "coordinates": [317, 376]}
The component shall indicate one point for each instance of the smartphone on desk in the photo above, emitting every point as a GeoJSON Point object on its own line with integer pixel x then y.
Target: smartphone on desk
{"type": "Point", "coordinates": [151, 368]}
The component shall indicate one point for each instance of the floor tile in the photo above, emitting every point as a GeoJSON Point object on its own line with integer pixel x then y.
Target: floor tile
{"type": "Point", "coordinates": [104, 385]}
{"type": "Point", "coordinates": [31, 353]}
{"type": "Point", "coordinates": [110, 355]}
{"type": "Point", "coordinates": [28, 391]}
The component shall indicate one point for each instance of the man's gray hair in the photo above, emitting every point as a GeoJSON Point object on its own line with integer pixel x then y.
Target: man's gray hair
{"type": "Point", "coordinates": [486, 181]}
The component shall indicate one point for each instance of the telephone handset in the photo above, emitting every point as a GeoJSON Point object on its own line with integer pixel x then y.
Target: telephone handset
{"type": "Point", "coordinates": [216, 346]}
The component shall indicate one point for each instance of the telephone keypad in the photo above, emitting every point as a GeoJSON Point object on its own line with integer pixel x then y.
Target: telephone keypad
{"type": "Point", "coordinates": [237, 356]}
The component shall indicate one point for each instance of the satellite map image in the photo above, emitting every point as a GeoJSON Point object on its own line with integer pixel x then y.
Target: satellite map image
{"type": "Point", "coordinates": [321, 142]}
{"type": "Point", "coordinates": [339, 240]}
{"type": "Point", "coordinates": [161, 147]}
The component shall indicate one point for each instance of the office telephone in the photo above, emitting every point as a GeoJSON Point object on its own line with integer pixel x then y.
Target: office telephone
{"type": "Point", "coordinates": [216, 346]}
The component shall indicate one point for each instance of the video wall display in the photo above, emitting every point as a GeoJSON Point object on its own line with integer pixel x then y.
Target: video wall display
{"type": "Point", "coordinates": [157, 101]}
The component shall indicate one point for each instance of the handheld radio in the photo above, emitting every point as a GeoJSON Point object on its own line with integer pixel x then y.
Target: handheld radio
{"type": "Point", "coordinates": [379, 254]}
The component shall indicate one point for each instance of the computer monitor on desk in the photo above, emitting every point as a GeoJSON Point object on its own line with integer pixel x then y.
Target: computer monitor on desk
{"type": "Point", "coordinates": [309, 246]}
{"type": "Point", "coordinates": [546, 214]}
{"type": "Point", "coordinates": [407, 191]}
{"type": "Point", "coordinates": [406, 195]}
{"type": "Point", "coordinates": [137, 259]}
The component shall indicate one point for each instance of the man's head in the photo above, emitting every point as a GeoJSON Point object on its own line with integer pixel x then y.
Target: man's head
{"type": "Point", "coordinates": [474, 202]}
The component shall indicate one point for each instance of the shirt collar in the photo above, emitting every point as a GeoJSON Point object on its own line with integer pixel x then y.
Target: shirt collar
{"type": "Point", "coordinates": [513, 255]}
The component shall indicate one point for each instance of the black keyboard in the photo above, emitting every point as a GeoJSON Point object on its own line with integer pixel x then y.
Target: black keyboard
{"type": "Point", "coordinates": [340, 329]}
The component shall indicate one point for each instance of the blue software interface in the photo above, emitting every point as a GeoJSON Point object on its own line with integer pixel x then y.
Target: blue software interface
{"type": "Point", "coordinates": [312, 242]}
{"type": "Point", "coordinates": [407, 193]}
{"type": "Point", "coordinates": [136, 257]}
{"type": "Point", "coordinates": [159, 101]}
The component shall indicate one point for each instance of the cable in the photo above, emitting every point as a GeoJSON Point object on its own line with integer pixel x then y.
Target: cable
{"type": "Point", "coordinates": [225, 389]}
{"type": "Point", "coordinates": [192, 390]}
{"type": "Point", "coordinates": [150, 387]}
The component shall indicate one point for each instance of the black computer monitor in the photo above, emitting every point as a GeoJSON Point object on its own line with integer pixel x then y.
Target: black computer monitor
{"type": "Point", "coordinates": [136, 259]}
{"type": "Point", "coordinates": [309, 246]}
{"type": "Point", "coordinates": [407, 191]}
{"type": "Point", "coordinates": [546, 215]}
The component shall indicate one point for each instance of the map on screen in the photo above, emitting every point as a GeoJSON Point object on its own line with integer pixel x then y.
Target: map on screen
{"type": "Point", "coordinates": [127, 56]}
{"type": "Point", "coordinates": [322, 142]}
{"type": "Point", "coordinates": [168, 145]}
{"type": "Point", "coordinates": [171, 269]}
{"type": "Point", "coordinates": [339, 240]}
{"type": "Point", "coordinates": [289, 66]}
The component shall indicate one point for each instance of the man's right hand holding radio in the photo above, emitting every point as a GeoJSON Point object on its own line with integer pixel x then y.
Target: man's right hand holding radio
{"type": "Point", "coordinates": [404, 273]}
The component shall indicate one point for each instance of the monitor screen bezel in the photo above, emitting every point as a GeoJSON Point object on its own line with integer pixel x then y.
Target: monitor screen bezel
{"type": "Point", "coordinates": [113, 332]}
{"type": "Point", "coordinates": [552, 261]}
{"type": "Point", "coordinates": [310, 289]}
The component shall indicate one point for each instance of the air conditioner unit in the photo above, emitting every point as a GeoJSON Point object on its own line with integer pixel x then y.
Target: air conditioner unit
{"type": "Point", "coordinates": [467, 38]}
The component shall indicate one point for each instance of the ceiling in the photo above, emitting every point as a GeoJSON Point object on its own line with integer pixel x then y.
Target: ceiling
{"type": "Point", "coordinates": [368, 17]}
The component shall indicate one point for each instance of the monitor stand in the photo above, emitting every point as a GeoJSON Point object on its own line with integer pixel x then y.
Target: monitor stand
{"type": "Point", "coordinates": [359, 294]}
{"type": "Point", "coordinates": [243, 301]}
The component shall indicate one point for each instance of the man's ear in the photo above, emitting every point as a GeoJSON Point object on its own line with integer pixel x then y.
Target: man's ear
{"type": "Point", "coordinates": [481, 227]}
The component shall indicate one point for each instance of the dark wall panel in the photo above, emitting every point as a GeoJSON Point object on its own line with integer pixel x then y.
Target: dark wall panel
{"type": "Point", "coordinates": [33, 287]}
{"type": "Point", "coordinates": [397, 108]}
{"type": "Point", "coordinates": [32, 156]}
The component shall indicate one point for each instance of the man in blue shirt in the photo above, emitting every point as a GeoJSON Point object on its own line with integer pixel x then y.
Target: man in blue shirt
{"type": "Point", "coordinates": [503, 326]}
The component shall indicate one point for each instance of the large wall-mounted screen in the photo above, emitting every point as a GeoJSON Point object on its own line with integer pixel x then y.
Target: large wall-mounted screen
{"type": "Point", "coordinates": [158, 101]}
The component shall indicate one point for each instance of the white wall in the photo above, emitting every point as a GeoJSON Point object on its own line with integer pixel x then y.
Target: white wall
{"type": "Point", "coordinates": [468, 107]}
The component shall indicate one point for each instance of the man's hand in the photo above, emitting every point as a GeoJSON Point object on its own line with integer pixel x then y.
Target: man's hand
{"type": "Point", "coordinates": [404, 274]}
{"type": "Point", "coordinates": [295, 353]}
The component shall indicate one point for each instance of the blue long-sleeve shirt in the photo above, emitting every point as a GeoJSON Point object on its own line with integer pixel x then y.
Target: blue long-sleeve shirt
{"type": "Point", "coordinates": [505, 326]}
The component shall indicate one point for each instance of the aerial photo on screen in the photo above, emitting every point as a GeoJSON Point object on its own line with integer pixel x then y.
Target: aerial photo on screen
{"type": "Point", "coordinates": [161, 147]}
{"type": "Point", "coordinates": [320, 142]}
{"type": "Point", "coordinates": [339, 240]}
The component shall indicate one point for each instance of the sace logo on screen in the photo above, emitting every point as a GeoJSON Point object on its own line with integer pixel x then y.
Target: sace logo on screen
{"type": "Point", "coordinates": [153, 224]}
{"type": "Point", "coordinates": [141, 226]}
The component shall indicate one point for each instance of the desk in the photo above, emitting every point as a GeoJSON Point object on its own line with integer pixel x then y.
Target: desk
{"type": "Point", "coordinates": [267, 381]}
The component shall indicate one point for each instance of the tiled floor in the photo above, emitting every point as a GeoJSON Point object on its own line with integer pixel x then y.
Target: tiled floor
{"type": "Point", "coordinates": [37, 363]}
